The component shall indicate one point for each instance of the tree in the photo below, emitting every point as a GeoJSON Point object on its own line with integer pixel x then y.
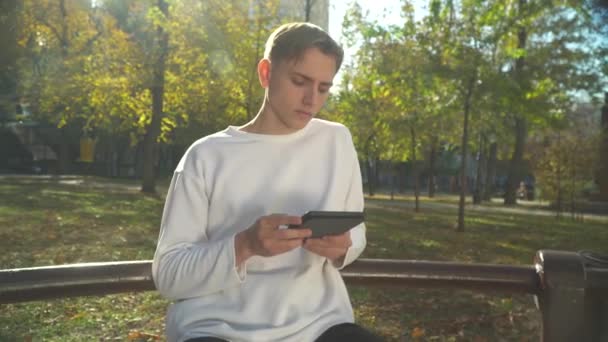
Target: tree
{"type": "Point", "coordinates": [56, 36]}
{"type": "Point", "coordinates": [210, 79]}
{"type": "Point", "coordinates": [459, 63]}
{"type": "Point", "coordinates": [515, 170]}
{"type": "Point", "coordinates": [565, 158]}
{"type": "Point", "coordinates": [362, 101]}
{"type": "Point", "coordinates": [553, 59]}
{"type": "Point", "coordinates": [157, 90]}
{"type": "Point", "coordinates": [134, 53]}
{"type": "Point", "coordinates": [308, 9]}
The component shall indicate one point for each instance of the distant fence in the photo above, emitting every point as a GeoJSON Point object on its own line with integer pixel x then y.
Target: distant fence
{"type": "Point", "coordinates": [571, 288]}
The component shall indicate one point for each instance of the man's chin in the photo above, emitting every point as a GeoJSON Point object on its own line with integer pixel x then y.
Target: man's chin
{"type": "Point", "coordinates": [301, 123]}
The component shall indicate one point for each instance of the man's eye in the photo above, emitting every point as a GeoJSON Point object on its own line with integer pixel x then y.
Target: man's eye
{"type": "Point", "coordinates": [297, 82]}
{"type": "Point", "coordinates": [323, 90]}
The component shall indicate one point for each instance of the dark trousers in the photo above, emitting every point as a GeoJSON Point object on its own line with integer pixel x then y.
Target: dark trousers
{"type": "Point", "coordinates": [342, 332]}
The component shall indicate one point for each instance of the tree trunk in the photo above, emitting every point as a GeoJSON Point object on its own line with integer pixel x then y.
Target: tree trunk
{"type": "Point", "coordinates": [479, 181]}
{"type": "Point", "coordinates": [601, 178]}
{"type": "Point", "coordinates": [64, 141]}
{"type": "Point", "coordinates": [559, 176]}
{"type": "Point", "coordinates": [415, 171]}
{"type": "Point", "coordinates": [573, 189]}
{"type": "Point", "coordinates": [516, 165]}
{"type": "Point", "coordinates": [491, 172]}
{"type": "Point", "coordinates": [368, 166]}
{"type": "Point", "coordinates": [432, 171]}
{"type": "Point", "coordinates": [112, 163]}
{"type": "Point", "coordinates": [251, 111]}
{"type": "Point", "coordinates": [376, 172]}
{"type": "Point", "coordinates": [157, 90]}
{"type": "Point", "coordinates": [370, 177]}
{"type": "Point", "coordinates": [65, 160]}
{"type": "Point", "coordinates": [64, 29]}
{"type": "Point", "coordinates": [464, 149]}
{"type": "Point", "coordinates": [393, 179]}
{"type": "Point", "coordinates": [308, 9]}
{"type": "Point", "coordinates": [515, 175]}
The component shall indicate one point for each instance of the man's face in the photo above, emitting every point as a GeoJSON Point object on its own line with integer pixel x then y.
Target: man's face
{"type": "Point", "coordinates": [297, 89]}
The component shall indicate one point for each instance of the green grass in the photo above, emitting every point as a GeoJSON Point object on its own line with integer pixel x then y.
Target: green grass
{"type": "Point", "coordinates": [49, 221]}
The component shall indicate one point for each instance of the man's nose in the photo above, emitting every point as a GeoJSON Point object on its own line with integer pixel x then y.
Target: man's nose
{"type": "Point", "coordinates": [310, 96]}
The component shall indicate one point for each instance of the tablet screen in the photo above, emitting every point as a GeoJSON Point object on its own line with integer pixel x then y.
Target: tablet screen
{"type": "Point", "coordinates": [330, 222]}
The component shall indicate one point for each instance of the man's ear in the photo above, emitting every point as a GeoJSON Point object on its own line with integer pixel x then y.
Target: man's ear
{"type": "Point", "coordinates": [264, 72]}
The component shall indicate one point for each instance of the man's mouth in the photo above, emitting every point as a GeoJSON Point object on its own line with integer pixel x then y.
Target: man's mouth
{"type": "Point", "coordinates": [304, 113]}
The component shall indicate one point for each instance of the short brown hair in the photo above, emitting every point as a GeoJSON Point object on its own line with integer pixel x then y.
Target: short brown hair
{"type": "Point", "coordinates": [289, 41]}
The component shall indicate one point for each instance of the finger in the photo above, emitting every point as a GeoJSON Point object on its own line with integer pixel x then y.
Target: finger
{"type": "Point", "coordinates": [274, 222]}
{"type": "Point", "coordinates": [328, 242]}
{"type": "Point", "coordinates": [312, 247]}
{"type": "Point", "coordinates": [280, 219]}
{"type": "Point", "coordinates": [286, 246]}
{"type": "Point", "coordinates": [317, 243]}
{"type": "Point", "coordinates": [294, 243]}
{"type": "Point", "coordinates": [325, 252]}
{"type": "Point", "coordinates": [345, 236]}
{"type": "Point", "coordinates": [287, 220]}
{"type": "Point", "coordinates": [288, 234]}
{"type": "Point", "coordinates": [338, 240]}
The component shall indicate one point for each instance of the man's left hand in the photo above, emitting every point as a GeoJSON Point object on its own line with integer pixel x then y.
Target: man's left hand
{"type": "Point", "coordinates": [333, 247]}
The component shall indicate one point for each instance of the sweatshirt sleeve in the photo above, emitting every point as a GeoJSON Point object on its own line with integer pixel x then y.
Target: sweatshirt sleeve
{"type": "Point", "coordinates": [186, 264]}
{"type": "Point", "coordinates": [354, 202]}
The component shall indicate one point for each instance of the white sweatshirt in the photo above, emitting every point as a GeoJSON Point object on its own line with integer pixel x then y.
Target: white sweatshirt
{"type": "Point", "coordinates": [222, 185]}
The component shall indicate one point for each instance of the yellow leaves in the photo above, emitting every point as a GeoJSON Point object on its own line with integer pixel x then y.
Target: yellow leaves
{"type": "Point", "coordinates": [144, 119]}
{"type": "Point", "coordinates": [62, 122]}
{"type": "Point", "coordinates": [156, 16]}
{"type": "Point", "coordinates": [417, 332]}
{"type": "Point", "coordinates": [542, 87]}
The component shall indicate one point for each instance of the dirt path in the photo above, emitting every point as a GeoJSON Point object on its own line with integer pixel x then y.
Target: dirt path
{"type": "Point", "coordinates": [480, 208]}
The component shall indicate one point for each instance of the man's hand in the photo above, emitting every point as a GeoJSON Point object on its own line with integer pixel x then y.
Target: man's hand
{"type": "Point", "coordinates": [333, 247]}
{"type": "Point", "coordinates": [264, 237]}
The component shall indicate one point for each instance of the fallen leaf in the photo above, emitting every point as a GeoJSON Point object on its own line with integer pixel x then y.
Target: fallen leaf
{"type": "Point", "coordinates": [137, 335]}
{"type": "Point", "coordinates": [417, 332]}
{"type": "Point", "coordinates": [78, 315]}
{"type": "Point", "coordinates": [133, 335]}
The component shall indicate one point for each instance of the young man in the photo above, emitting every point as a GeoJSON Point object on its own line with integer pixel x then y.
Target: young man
{"type": "Point", "coordinates": [223, 256]}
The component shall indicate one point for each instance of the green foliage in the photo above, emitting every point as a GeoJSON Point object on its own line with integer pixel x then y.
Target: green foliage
{"type": "Point", "coordinates": [93, 65]}
{"type": "Point", "coordinates": [90, 68]}
{"type": "Point", "coordinates": [418, 75]}
{"type": "Point", "coordinates": [565, 160]}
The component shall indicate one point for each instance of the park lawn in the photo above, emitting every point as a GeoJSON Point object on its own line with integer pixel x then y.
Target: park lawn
{"type": "Point", "coordinates": [48, 222]}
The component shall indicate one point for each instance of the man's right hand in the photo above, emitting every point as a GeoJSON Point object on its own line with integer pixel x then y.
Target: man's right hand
{"type": "Point", "coordinates": [265, 238]}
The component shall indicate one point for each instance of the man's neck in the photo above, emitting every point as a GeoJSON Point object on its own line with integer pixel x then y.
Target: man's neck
{"type": "Point", "coordinates": [265, 123]}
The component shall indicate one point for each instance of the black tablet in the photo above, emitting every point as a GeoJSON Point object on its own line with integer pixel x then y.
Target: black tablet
{"type": "Point", "coordinates": [330, 222]}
